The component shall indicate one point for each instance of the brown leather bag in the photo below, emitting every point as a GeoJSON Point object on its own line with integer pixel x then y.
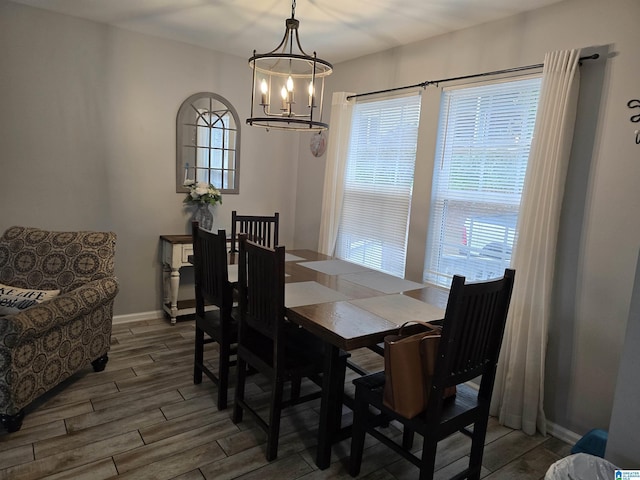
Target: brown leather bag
{"type": "Point", "coordinates": [409, 363]}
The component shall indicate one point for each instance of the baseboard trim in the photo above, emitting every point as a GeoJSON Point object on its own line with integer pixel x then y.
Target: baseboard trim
{"type": "Point", "coordinates": [562, 433]}
{"type": "Point", "coordinates": [134, 317]}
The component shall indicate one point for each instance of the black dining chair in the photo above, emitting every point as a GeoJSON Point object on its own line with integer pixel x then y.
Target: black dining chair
{"type": "Point", "coordinates": [259, 229]}
{"type": "Point", "coordinates": [212, 288]}
{"type": "Point", "coordinates": [472, 333]}
{"type": "Point", "coordinates": [269, 344]}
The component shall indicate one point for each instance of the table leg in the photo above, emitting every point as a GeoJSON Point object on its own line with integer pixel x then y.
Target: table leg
{"type": "Point", "coordinates": [175, 285]}
{"type": "Point", "coordinates": [166, 287]}
{"type": "Point", "coordinates": [331, 403]}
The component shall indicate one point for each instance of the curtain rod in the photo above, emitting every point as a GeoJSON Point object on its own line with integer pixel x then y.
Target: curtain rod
{"type": "Point", "coordinates": [464, 77]}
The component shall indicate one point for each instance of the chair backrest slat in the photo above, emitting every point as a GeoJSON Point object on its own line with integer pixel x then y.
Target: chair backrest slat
{"type": "Point", "coordinates": [472, 333]}
{"type": "Point", "coordinates": [261, 287]}
{"type": "Point", "coordinates": [211, 270]}
{"type": "Point", "coordinates": [258, 228]}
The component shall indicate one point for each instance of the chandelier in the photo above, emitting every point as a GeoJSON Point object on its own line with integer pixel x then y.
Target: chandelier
{"type": "Point", "coordinates": [288, 85]}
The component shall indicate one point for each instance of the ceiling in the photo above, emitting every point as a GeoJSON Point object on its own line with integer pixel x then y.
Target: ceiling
{"type": "Point", "coordinates": [337, 30]}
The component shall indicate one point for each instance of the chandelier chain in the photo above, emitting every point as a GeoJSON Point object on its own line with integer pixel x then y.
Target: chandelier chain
{"type": "Point", "coordinates": [293, 8]}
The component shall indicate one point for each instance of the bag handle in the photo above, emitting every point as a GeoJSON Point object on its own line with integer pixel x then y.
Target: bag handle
{"type": "Point", "coordinates": [436, 328]}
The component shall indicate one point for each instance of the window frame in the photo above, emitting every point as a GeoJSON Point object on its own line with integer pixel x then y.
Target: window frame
{"type": "Point", "coordinates": [188, 114]}
{"type": "Point", "coordinates": [365, 183]}
{"type": "Point", "coordinates": [488, 225]}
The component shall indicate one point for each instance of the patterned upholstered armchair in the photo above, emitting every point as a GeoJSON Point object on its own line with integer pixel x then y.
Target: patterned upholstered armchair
{"type": "Point", "coordinates": [47, 342]}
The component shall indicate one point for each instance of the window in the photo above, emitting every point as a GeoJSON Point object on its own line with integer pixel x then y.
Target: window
{"type": "Point", "coordinates": [378, 183]}
{"type": "Point", "coordinates": [208, 142]}
{"type": "Point", "coordinates": [482, 150]}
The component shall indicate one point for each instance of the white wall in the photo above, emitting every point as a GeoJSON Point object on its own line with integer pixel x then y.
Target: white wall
{"type": "Point", "coordinates": [622, 442]}
{"type": "Point", "coordinates": [600, 229]}
{"type": "Point", "coordinates": [87, 138]}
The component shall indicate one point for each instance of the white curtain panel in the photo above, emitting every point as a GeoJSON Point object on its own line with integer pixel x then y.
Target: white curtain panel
{"type": "Point", "coordinates": [333, 192]}
{"type": "Point", "coordinates": [519, 389]}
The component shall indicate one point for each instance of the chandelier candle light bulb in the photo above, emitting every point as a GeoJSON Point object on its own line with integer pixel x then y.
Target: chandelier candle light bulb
{"type": "Point", "coordinates": [264, 90]}
{"type": "Point", "coordinates": [290, 98]}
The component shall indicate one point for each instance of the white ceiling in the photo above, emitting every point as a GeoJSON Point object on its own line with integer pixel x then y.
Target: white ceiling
{"type": "Point", "coordinates": [337, 30]}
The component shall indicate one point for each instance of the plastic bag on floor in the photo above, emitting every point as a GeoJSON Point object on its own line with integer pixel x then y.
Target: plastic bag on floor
{"type": "Point", "coordinates": [581, 466]}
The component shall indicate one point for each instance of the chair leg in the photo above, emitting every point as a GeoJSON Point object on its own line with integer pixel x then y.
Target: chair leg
{"type": "Point", "coordinates": [223, 375]}
{"type": "Point", "coordinates": [477, 447]}
{"type": "Point", "coordinates": [428, 462]}
{"type": "Point", "coordinates": [275, 412]}
{"type": "Point", "coordinates": [407, 438]}
{"type": "Point", "coordinates": [198, 356]}
{"type": "Point", "coordinates": [241, 367]}
{"type": "Point", "coordinates": [12, 423]}
{"type": "Point", "coordinates": [296, 384]}
{"type": "Point", "coordinates": [99, 363]}
{"type": "Point", "coordinates": [358, 432]}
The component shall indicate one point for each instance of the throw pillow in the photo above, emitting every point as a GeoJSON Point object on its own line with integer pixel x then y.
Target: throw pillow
{"type": "Point", "coordinates": [14, 299]}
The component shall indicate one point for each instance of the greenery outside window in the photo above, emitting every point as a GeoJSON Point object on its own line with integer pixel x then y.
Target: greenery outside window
{"type": "Point", "coordinates": [208, 143]}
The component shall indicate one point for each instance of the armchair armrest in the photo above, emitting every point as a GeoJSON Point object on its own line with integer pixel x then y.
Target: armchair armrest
{"type": "Point", "coordinates": [60, 310]}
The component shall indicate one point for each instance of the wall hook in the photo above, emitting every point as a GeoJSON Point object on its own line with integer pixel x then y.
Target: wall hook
{"type": "Point", "coordinates": [637, 137]}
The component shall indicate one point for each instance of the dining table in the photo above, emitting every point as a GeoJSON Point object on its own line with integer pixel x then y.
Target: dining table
{"type": "Point", "coordinates": [349, 307]}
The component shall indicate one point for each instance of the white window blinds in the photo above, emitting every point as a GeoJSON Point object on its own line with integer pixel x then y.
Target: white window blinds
{"type": "Point", "coordinates": [484, 138]}
{"type": "Point", "coordinates": [378, 183]}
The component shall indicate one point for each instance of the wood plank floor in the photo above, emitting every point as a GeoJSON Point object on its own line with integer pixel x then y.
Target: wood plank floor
{"type": "Point", "coordinates": [143, 418]}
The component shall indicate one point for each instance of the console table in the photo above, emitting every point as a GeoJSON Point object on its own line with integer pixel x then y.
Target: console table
{"type": "Point", "coordinates": [176, 250]}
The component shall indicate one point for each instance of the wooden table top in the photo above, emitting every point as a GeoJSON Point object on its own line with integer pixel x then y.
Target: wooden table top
{"type": "Point", "coordinates": [177, 239]}
{"type": "Point", "coordinates": [342, 323]}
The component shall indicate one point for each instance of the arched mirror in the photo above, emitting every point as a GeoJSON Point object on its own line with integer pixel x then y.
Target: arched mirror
{"type": "Point", "coordinates": [208, 143]}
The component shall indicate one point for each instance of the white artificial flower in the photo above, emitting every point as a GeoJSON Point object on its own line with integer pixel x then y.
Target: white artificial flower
{"type": "Point", "coordinates": [202, 192]}
{"type": "Point", "coordinates": [188, 182]}
{"type": "Point", "coordinates": [202, 188]}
